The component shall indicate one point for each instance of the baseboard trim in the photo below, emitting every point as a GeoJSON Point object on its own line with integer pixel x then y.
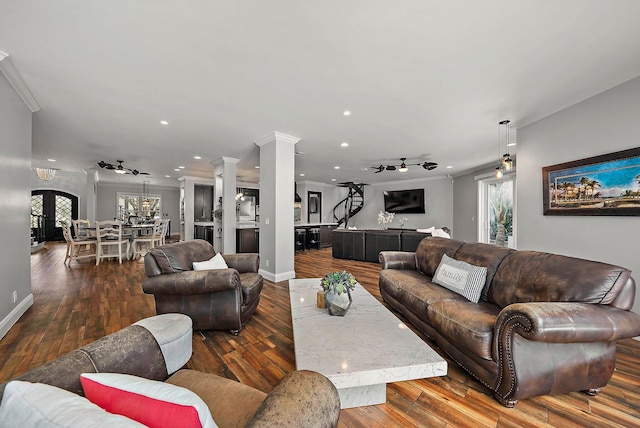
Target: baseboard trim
{"type": "Point", "coordinates": [15, 314]}
{"type": "Point", "coordinates": [277, 277]}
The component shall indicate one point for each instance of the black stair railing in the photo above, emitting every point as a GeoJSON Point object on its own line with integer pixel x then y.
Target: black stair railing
{"type": "Point", "coordinates": [350, 205]}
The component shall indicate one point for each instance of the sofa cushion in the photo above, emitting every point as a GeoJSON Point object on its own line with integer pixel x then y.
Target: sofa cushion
{"type": "Point", "coordinates": [533, 276]}
{"type": "Point", "coordinates": [461, 277]}
{"type": "Point", "coordinates": [469, 325]}
{"type": "Point", "coordinates": [414, 290]}
{"type": "Point", "coordinates": [179, 256]}
{"type": "Point", "coordinates": [150, 402]}
{"type": "Point", "coordinates": [27, 404]}
{"type": "Point", "coordinates": [231, 403]}
{"type": "Point", "coordinates": [430, 251]}
{"type": "Point", "coordinates": [251, 284]}
{"type": "Point", "coordinates": [489, 256]}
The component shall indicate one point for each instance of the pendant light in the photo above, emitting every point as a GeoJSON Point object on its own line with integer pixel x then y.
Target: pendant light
{"type": "Point", "coordinates": [506, 163]}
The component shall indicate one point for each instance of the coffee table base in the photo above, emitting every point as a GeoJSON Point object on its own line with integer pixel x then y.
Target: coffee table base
{"type": "Point", "coordinates": [368, 395]}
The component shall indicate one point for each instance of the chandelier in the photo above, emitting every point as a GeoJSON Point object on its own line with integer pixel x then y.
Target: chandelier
{"type": "Point", "coordinates": [45, 174]}
{"type": "Point", "coordinates": [505, 161]}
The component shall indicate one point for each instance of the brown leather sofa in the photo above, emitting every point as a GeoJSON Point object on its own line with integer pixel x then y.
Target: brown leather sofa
{"type": "Point", "coordinates": [301, 398]}
{"type": "Point", "coordinates": [221, 299]}
{"type": "Point", "coordinates": [545, 324]}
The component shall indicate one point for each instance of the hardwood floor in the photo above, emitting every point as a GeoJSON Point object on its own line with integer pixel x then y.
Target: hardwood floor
{"type": "Point", "coordinates": [78, 304]}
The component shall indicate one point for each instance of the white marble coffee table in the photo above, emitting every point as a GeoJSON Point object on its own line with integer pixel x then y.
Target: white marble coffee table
{"type": "Point", "coordinates": [360, 352]}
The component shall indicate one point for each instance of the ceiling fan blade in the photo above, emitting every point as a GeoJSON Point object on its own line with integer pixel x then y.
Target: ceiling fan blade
{"type": "Point", "coordinates": [144, 173]}
{"type": "Point", "coordinates": [391, 167]}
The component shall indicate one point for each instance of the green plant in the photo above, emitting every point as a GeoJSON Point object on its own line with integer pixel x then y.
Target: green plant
{"type": "Point", "coordinates": [338, 282]}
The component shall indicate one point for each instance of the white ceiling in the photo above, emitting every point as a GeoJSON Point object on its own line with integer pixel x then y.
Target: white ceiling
{"type": "Point", "coordinates": [424, 79]}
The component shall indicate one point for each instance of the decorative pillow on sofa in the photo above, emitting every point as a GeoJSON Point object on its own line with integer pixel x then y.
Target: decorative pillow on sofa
{"type": "Point", "coordinates": [26, 404]}
{"type": "Point", "coordinates": [216, 262]}
{"type": "Point", "coordinates": [150, 402]}
{"type": "Point", "coordinates": [461, 277]}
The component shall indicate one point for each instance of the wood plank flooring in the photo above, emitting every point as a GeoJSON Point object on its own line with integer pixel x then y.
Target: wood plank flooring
{"type": "Point", "coordinates": [79, 304]}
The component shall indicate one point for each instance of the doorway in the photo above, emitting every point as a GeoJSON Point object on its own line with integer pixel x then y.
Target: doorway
{"type": "Point", "coordinates": [53, 206]}
{"type": "Point", "coordinates": [314, 207]}
{"type": "Point", "coordinates": [497, 212]}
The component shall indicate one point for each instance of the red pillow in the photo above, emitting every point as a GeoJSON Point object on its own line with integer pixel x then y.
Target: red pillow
{"type": "Point", "coordinates": [152, 403]}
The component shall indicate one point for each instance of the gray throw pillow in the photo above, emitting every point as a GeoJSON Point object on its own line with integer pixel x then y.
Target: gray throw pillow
{"type": "Point", "coordinates": [461, 277]}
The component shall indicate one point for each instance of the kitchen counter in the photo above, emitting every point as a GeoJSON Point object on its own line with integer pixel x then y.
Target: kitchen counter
{"type": "Point", "coordinates": [203, 223]}
{"type": "Point", "coordinates": [247, 225]}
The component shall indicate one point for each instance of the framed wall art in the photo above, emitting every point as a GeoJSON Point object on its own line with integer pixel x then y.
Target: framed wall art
{"type": "Point", "coordinates": [601, 185]}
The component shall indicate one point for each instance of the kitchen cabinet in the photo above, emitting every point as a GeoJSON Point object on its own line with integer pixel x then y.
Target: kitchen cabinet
{"type": "Point", "coordinates": [203, 232]}
{"type": "Point", "coordinates": [202, 202]}
{"type": "Point", "coordinates": [248, 240]}
{"type": "Point", "coordinates": [326, 236]}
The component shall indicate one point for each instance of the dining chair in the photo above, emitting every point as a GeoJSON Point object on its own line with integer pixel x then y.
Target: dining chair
{"type": "Point", "coordinates": [77, 248]}
{"type": "Point", "coordinates": [109, 234]}
{"type": "Point", "coordinates": [165, 229]}
{"type": "Point", "coordinates": [82, 229]}
{"type": "Point", "coordinates": [149, 241]}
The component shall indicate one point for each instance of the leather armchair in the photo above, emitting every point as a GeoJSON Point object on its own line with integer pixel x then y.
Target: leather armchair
{"type": "Point", "coordinates": [221, 299]}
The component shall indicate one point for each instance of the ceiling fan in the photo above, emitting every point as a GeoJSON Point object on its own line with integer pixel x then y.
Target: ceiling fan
{"type": "Point", "coordinates": [119, 169]}
{"type": "Point", "coordinates": [403, 167]}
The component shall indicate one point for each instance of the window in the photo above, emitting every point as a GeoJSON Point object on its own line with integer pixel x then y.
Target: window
{"type": "Point", "coordinates": [132, 205]}
{"type": "Point", "coordinates": [36, 209]}
{"type": "Point", "coordinates": [496, 206]}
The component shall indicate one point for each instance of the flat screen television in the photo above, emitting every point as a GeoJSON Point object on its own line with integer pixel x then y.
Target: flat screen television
{"type": "Point", "coordinates": [404, 201]}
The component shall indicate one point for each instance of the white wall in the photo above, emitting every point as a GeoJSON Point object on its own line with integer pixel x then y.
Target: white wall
{"type": "Point", "coordinates": [438, 193]}
{"type": "Point", "coordinates": [15, 201]}
{"type": "Point", "coordinates": [74, 183]}
{"type": "Point", "coordinates": [107, 195]}
{"type": "Point", "coordinates": [605, 123]}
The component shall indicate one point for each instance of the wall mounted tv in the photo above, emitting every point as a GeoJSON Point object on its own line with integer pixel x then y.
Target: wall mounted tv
{"type": "Point", "coordinates": [404, 201]}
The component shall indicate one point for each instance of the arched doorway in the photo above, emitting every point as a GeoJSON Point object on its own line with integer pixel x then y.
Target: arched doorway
{"type": "Point", "coordinates": [53, 206]}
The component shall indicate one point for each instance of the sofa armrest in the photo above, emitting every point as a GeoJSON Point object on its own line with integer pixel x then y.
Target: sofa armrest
{"type": "Point", "coordinates": [398, 260]}
{"type": "Point", "coordinates": [302, 398]}
{"type": "Point", "coordinates": [192, 282]}
{"type": "Point", "coordinates": [243, 262]}
{"type": "Point", "coordinates": [565, 322]}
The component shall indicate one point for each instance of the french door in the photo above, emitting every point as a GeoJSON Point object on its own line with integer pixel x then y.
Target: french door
{"type": "Point", "coordinates": [497, 213]}
{"type": "Point", "coordinates": [53, 206]}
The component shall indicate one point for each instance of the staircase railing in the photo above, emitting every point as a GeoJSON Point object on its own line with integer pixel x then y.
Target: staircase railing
{"type": "Point", "coordinates": [351, 205]}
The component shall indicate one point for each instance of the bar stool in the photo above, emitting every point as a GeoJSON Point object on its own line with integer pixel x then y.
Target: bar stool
{"type": "Point", "coordinates": [313, 238]}
{"type": "Point", "coordinates": [300, 239]}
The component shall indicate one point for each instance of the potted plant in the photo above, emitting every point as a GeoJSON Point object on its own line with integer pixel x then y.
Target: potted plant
{"type": "Point", "coordinates": [337, 287]}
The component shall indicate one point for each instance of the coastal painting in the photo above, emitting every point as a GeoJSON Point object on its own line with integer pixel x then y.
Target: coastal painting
{"type": "Point", "coordinates": [601, 185]}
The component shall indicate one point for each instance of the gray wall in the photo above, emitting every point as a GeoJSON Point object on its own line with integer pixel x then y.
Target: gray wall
{"type": "Point", "coordinates": [15, 197]}
{"type": "Point", "coordinates": [74, 183]}
{"type": "Point", "coordinates": [602, 124]}
{"type": "Point", "coordinates": [438, 195]}
{"type": "Point", "coordinates": [107, 194]}
{"type": "Point", "coordinates": [465, 204]}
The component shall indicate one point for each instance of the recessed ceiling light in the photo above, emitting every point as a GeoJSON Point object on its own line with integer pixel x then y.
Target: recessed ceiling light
{"type": "Point", "coordinates": [333, 179]}
{"type": "Point", "coordinates": [257, 167]}
{"type": "Point", "coordinates": [164, 122]}
{"type": "Point", "coordinates": [197, 157]}
{"type": "Point", "coordinates": [336, 167]}
{"type": "Point", "coordinates": [346, 113]}
{"type": "Point", "coordinates": [176, 169]}
{"type": "Point", "coordinates": [449, 166]}
{"type": "Point", "coordinates": [364, 169]}
{"type": "Point", "coordinates": [181, 167]}
{"type": "Point", "coordinates": [51, 160]}
{"type": "Point", "coordinates": [302, 174]}
{"type": "Point", "coordinates": [167, 176]}
{"type": "Point", "coordinates": [345, 144]}
{"type": "Point", "coordinates": [511, 144]}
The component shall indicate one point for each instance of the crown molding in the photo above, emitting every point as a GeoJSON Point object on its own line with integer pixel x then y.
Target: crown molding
{"type": "Point", "coordinates": [12, 75]}
{"type": "Point", "coordinates": [276, 136]}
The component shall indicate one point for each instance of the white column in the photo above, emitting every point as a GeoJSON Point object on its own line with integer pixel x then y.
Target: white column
{"type": "Point", "coordinates": [186, 194]}
{"type": "Point", "coordinates": [277, 167]}
{"type": "Point", "coordinates": [229, 172]}
{"type": "Point", "coordinates": [91, 190]}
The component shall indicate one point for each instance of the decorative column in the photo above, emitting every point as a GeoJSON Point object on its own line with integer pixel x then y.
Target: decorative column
{"type": "Point", "coordinates": [225, 171]}
{"type": "Point", "coordinates": [277, 167]}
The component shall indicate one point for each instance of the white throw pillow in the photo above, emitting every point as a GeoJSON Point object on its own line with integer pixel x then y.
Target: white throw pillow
{"type": "Point", "coordinates": [26, 404]}
{"type": "Point", "coordinates": [216, 262]}
{"type": "Point", "coordinates": [461, 277]}
{"type": "Point", "coordinates": [428, 230]}
{"type": "Point", "coordinates": [147, 401]}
